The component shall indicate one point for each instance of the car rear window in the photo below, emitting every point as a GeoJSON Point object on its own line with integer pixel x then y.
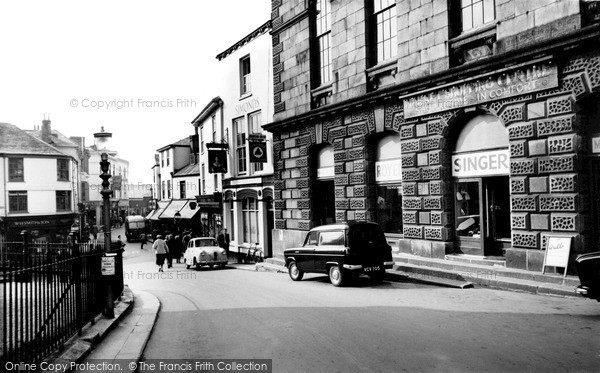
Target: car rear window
{"type": "Point", "coordinates": [365, 234]}
{"type": "Point", "coordinates": [332, 238]}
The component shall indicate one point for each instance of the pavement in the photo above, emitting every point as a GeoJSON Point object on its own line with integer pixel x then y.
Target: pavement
{"type": "Point", "coordinates": [122, 339]}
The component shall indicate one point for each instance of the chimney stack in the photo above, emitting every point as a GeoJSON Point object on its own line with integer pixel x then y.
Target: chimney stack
{"type": "Point", "coordinates": [46, 130]}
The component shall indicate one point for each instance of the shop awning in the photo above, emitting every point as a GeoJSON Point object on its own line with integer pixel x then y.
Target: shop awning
{"type": "Point", "coordinates": [174, 206]}
{"type": "Point", "coordinates": [187, 212]}
{"type": "Point", "coordinates": [161, 207]}
{"type": "Point", "coordinates": [150, 214]}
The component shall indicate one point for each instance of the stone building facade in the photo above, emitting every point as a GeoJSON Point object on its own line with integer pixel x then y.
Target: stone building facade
{"type": "Point", "coordinates": [477, 136]}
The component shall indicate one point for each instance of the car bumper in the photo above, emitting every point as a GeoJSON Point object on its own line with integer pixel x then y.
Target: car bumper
{"type": "Point", "coordinates": [583, 291]}
{"type": "Point", "coordinates": [361, 267]}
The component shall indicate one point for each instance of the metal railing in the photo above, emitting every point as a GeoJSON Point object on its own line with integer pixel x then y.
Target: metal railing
{"type": "Point", "coordinates": [49, 292]}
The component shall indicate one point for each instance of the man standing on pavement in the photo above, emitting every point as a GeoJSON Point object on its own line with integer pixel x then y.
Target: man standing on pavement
{"type": "Point", "coordinates": [223, 240]}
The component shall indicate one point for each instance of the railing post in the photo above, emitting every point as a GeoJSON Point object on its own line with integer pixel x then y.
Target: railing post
{"type": "Point", "coordinates": [76, 271]}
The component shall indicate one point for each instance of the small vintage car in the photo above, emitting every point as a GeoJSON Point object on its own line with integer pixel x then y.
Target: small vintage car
{"type": "Point", "coordinates": [204, 251]}
{"type": "Point", "coordinates": [341, 251]}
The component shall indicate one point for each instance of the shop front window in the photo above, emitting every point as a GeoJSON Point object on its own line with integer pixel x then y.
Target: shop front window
{"type": "Point", "coordinates": [250, 220]}
{"type": "Point", "coordinates": [468, 216]}
{"type": "Point", "coordinates": [388, 177]}
{"type": "Point", "coordinates": [389, 208]}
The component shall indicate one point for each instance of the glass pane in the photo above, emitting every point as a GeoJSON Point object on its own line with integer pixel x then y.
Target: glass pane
{"type": "Point", "coordinates": [466, 202]}
{"type": "Point", "coordinates": [477, 14]}
{"type": "Point", "coordinates": [488, 11]}
{"type": "Point", "coordinates": [389, 208]}
{"type": "Point", "coordinates": [332, 238]}
{"type": "Point", "coordinates": [466, 18]}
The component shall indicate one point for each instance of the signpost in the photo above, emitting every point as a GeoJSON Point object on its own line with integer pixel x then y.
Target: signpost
{"type": "Point", "coordinates": [557, 253]}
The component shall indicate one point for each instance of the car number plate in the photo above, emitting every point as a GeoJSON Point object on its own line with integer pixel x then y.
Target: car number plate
{"type": "Point", "coordinates": [371, 269]}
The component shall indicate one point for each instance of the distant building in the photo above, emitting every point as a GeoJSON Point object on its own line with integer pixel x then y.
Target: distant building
{"type": "Point", "coordinates": [39, 187]}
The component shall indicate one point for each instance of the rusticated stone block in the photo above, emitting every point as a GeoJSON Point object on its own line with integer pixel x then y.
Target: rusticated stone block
{"type": "Point", "coordinates": [437, 187]}
{"type": "Point", "coordinates": [359, 204]}
{"type": "Point", "coordinates": [439, 218]}
{"type": "Point", "coordinates": [563, 144]}
{"type": "Point", "coordinates": [536, 110]}
{"type": "Point", "coordinates": [520, 220]}
{"type": "Point", "coordinates": [537, 147]}
{"type": "Point", "coordinates": [409, 160]}
{"type": "Point", "coordinates": [540, 222]}
{"type": "Point", "coordinates": [422, 159]}
{"type": "Point", "coordinates": [435, 157]}
{"type": "Point", "coordinates": [412, 174]}
{"type": "Point", "coordinates": [340, 192]}
{"type": "Point", "coordinates": [518, 148]}
{"type": "Point", "coordinates": [342, 204]}
{"type": "Point", "coordinates": [524, 203]}
{"type": "Point", "coordinates": [358, 178]}
{"type": "Point", "coordinates": [559, 202]}
{"type": "Point", "coordinates": [432, 143]}
{"type": "Point", "coordinates": [566, 222]}
{"type": "Point", "coordinates": [518, 185]}
{"type": "Point", "coordinates": [424, 217]}
{"type": "Point", "coordinates": [341, 180]}
{"type": "Point", "coordinates": [522, 166]}
{"type": "Point", "coordinates": [412, 203]}
{"type": "Point", "coordinates": [554, 126]}
{"type": "Point", "coordinates": [340, 216]}
{"type": "Point", "coordinates": [410, 146]}
{"type": "Point", "coordinates": [557, 164]}
{"type": "Point", "coordinates": [409, 217]}
{"type": "Point", "coordinates": [521, 131]}
{"type": "Point", "coordinates": [538, 184]}
{"type": "Point", "coordinates": [433, 203]}
{"type": "Point", "coordinates": [407, 131]}
{"type": "Point", "coordinates": [421, 129]}
{"type": "Point", "coordinates": [436, 233]}
{"type": "Point", "coordinates": [529, 240]}
{"type": "Point", "coordinates": [423, 189]}
{"type": "Point", "coordinates": [411, 231]}
{"type": "Point", "coordinates": [409, 189]}
{"type": "Point", "coordinates": [560, 105]}
{"type": "Point", "coordinates": [563, 183]}
{"type": "Point", "coordinates": [432, 173]}
{"type": "Point", "coordinates": [435, 127]}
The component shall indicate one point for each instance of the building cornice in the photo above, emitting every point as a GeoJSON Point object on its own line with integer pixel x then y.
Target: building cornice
{"type": "Point", "coordinates": [554, 48]}
{"type": "Point", "coordinates": [248, 38]}
{"type": "Point", "coordinates": [210, 108]}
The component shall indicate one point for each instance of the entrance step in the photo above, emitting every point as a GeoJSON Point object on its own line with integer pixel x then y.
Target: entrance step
{"type": "Point", "coordinates": [474, 259]}
{"type": "Point", "coordinates": [471, 271]}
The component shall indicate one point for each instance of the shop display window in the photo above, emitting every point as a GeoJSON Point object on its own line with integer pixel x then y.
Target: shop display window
{"type": "Point", "coordinates": [468, 214]}
{"type": "Point", "coordinates": [389, 208]}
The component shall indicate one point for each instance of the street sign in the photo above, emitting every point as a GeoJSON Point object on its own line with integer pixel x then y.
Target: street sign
{"type": "Point", "coordinates": [258, 152]}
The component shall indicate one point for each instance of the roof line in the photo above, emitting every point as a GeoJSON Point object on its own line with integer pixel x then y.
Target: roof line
{"type": "Point", "coordinates": [254, 34]}
{"type": "Point", "coordinates": [212, 105]}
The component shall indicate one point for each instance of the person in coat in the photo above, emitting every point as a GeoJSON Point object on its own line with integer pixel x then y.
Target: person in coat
{"type": "Point", "coordinates": [161, 249]}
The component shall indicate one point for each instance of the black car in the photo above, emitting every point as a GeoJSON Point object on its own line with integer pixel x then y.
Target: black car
{"type": "Point", "coordinates": [341, 250]}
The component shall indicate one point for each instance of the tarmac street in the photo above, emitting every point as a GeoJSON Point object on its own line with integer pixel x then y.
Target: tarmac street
{"type": "Point", "coordinates": [311, 326]}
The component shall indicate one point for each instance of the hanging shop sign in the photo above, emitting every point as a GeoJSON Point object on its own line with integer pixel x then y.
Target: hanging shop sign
{"type": "Point", "coordinates": [488, 163]}
{"type": "Point", "coordinates": [258, 151]}
{"type": "Point", "coordinates": [217, 161]}
{"type": "Point", "coordinates": [511, 83]}
{"type": "Point", "coordinates": [388, 171]}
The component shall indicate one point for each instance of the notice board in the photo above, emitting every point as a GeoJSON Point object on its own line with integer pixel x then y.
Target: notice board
{"type": "Point", "coordinates": [557, 253]}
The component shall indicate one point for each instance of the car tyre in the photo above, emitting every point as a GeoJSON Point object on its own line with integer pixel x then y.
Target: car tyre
{"type": "Point", "coordinates": [196, 264]}
{"type": "Point", "coordinates": [295, 273]}
{"type": "Point", "coordinates": [377, 277]}
{"type": "Point", "coordinates": [211, 266]}
{"type": "Point", "coordinates": [336, 275]}
{"type": "Point", "coordinates": [187, 265]}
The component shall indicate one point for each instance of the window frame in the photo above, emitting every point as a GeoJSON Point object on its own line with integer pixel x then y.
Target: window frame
{"type": "Point", "coordinates": [378, 31]}
{"type": "Point", "coordinates": [241, 154]}
{"type": "Point", "coordinates": [63, 200]}
{"type": "Point", "coordinates": [16, 173]}
{"type": "Point", "coordinates": [249, 218]}
{"type": "Point", "coordinates": [485, 4]}
{"type": "Point", "coordinates": [182, 190]}
{"type": "Point", "coordinates": [19, 197]}
{"type": "Point", "coordinates": [255, 127]}
{"type": "Point", "coordinates": [245, 76]}
{"type": "Point", "coordinates": [324, 63]}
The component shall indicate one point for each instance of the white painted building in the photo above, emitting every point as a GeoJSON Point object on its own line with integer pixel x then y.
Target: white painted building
{"type": "Point", "coordinates": [38, 186]}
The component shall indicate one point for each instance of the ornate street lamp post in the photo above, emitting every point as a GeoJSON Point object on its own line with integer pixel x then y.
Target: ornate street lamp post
{"type": "Point", "coordinates": [106, 194]}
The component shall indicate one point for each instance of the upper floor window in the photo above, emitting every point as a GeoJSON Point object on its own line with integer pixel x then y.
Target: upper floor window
{"type": "Point", "coordinates": [214, 128]}
{"type": "Point", "coordinates": [168, 157]}
{"type": "Point", "coordinates": [17, 201]}
{"type": "Point", "coordinates": [201, 139]}
{"type": "Point", "coordinates": [62, 169]}
{"type": "Point", "coordinates": [323, 23]}
{"type": "Point", "coordinates": [15, 169]}
{"type": "Point", "coordinates": [164, 189]}
{"type": "Point", "coordinates": [203, 180]}
{"type": "Point", "coordinates": [162, 160]}
{"type": "Point", "coordinates": [476, 13]}
{"type": "Point", "coordinates": [63, 200]}
{"type": "Point", "coordinates": [245, 75]}
{"type": "Point", "coordinates": [240, 144]}
{"type": "Point", "coordinates": [168, 188]}
{"type": "Point", "coordinates": [255, 126]}
{"type": "Point", "coordinates": [384, 12]}
{"type": "Point", "coordinates": [182, 189]}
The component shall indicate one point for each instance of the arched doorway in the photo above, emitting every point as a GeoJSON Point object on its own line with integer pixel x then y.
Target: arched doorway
{"type": "Point", "coordinates": [323, 187]}
{"type": "Point", "coordinates": [480, 170]}
{"type": "Point", "coordinates": [388, 183]}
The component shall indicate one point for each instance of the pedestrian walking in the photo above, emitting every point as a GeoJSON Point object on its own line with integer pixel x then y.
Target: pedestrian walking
{"type": "Point", "coordinates": [143, 240]}
{"type": "Point", "coordinates": [121, 243]}
{"type": "Point", "coordinates": [161, 250]}
{"type": "Point", "coordinates": [223, 240]}
{"type": "Point", "coordinates": [171, 244]}
{"type": "Point", "coordinates": [95, 232]}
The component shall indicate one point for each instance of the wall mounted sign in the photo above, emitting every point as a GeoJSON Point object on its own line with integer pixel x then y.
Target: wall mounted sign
{"type": "Point", "coordinates": [557, 253]}
{"type": "Point", "coordinates": [596, 145]}
{"type": "Point", "coordinates": [217, 161]}
{"type": "Point", "coordinates": [387, 171]}
{"type": "Point", "coordinates": [487, 163]}
{"type": "Point", "coordinates": [511, 83]}
{"type": "Point", "coordinates": [108, 266]}
{"type": "Point", "coordinates": [258, 151]}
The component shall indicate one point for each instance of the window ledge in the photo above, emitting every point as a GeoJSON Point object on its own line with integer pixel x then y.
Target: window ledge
{"type": "Point", "coordinates": [382, 74]}
{"type": "Point", "coordinates": [326, 88]}
{"type": "Point", "coordinates": [245, 96]}
{"type": "Point", "coordinates": [383, 67]}
{"type": "Point", "coordinates": [478, 33]}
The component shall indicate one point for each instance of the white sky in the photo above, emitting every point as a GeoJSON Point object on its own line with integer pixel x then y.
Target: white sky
{"type": "Point", "coordinates": [58, 56]}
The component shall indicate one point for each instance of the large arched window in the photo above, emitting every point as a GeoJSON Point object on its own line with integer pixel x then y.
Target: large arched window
{"type": "Point", "coordinates": [388, 179]}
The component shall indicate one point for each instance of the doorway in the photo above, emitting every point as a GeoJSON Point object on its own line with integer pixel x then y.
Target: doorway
{"type": "Point", "coordinates": [482, 211]}
{"type": "Point", "coordinates": [323, 202]}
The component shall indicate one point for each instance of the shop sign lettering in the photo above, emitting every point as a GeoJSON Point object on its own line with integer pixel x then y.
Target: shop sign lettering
{"type": "Point", "coordinates": [247, 106]}
{"type": "Point", "coordinates": [596, 145]}
{"type": "Point", "coordinates": [522, 81]}
{"type": "Point", "coordinates": [390, 170]}
{"type": "Point", "coordinates": [495, 162]}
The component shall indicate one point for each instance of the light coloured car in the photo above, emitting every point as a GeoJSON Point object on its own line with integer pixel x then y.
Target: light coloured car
{"type": "Point", "coordinates": [204, 251]}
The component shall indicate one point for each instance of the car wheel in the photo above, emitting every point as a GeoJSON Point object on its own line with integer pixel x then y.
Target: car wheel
{"type": "Point", "coordinates": [196, 264]}
{"type": "Point", "coordinates": [377, 277]}
{"type": "Point", "coordinates": [336, 276]}
{"type": "Point", "coordinates": [295, 272]}
{"type": "Point", "coordinates": [211, 266]}
{"type": "Point", "coordinates": [187, 265]}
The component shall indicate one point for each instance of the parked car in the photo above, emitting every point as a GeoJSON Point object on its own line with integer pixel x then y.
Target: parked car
{"type": "Point", "coordinates": [341, 251]}
{"type": "Point", "coordinates": [204, 251]}
{"type": "Point", "coordinates": [588, 269]}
